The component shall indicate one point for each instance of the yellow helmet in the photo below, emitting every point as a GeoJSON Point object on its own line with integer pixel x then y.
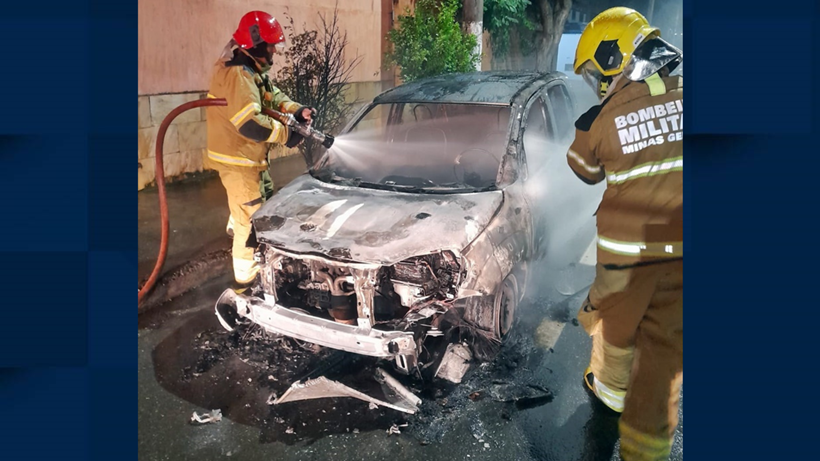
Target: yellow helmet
{"type": "Point", "coordinates": [608, 42]}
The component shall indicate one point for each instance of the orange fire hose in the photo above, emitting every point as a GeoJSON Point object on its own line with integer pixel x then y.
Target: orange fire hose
{"type": "Point", "coordinates": [160, 176]}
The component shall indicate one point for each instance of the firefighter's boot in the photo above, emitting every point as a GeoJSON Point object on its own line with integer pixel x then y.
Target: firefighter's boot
{"type": "Point", "coordinates": [614, 400]}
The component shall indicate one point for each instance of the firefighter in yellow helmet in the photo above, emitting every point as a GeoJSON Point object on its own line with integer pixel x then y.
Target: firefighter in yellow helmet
{"type": "Point", "coordinates": [634, 311]}
{"type": "Point", "coordinates": [239, 135]}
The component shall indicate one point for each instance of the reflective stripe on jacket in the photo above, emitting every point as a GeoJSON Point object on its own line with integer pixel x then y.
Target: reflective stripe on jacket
{"type": "Point", "coordinates": [634, 141]}
{"type": "Point", "coordinates": [239, 134]}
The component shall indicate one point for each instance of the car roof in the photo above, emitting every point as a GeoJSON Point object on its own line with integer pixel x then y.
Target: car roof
{"type": "Point", "coordinates": [488, 87]}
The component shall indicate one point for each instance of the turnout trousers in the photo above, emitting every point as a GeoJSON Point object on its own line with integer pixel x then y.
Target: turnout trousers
{"type": "Point", "coordinates": [635, 318]}
{"type": "Point", "coordinates": [242, 185]}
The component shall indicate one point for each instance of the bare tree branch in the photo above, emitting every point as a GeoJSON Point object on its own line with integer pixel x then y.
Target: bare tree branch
{"type": "Point", "coordinates": [318, 73]}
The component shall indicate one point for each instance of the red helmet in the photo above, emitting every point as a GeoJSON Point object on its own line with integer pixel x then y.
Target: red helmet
{"type": "Point", "coordinates": [257, 27]}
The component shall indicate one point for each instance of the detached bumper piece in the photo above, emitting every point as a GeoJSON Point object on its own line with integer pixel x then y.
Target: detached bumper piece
{"type": "Point", "coordinates": [400, 345]}
{"type": "Point", "coordinates": [397, 396]}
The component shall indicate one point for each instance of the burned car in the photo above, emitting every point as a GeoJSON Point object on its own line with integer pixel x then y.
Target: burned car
{"type": "Point", "coordinates": [427, 214]}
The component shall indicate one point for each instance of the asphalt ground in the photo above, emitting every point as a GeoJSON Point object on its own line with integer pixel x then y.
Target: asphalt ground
{"type": "Point", "coordinates": [528, 404]}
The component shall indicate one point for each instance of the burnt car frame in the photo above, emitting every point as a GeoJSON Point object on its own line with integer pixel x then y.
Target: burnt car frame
{"type": "Point", "coordinates": [377, 258]}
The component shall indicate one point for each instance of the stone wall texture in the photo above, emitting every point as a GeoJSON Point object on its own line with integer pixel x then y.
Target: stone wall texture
{"type": "Point", "coordinates": [184, 147]}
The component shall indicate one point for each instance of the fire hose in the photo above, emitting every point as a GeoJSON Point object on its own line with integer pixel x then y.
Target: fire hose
{"type": "Point", "coordinates": [289, 120]}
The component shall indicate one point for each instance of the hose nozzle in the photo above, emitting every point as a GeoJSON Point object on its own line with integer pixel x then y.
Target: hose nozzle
{"type": "Point", "coordinates": [325, 139]}
{"type": "Point", "coordinates": [307, 131]}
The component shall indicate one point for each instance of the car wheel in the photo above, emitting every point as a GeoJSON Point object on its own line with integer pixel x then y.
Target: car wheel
{"type": "Point", "coordinates": [506, 301]}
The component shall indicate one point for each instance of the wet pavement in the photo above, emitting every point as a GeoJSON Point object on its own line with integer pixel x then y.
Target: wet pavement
{"type": "Point", "coordinates": [528, 404]}
{"type": "Point", "coordinates": [197, 216]}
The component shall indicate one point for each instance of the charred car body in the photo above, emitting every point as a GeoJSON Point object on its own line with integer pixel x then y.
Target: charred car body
{"type": "Point", "coordinates": [425, 215]}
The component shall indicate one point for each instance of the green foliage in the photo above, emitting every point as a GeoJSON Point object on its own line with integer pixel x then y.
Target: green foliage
{"type": "Point", "coordinates": [502, 16]}
{"type": "Point", "coordinates": [316, 74]}
{"type": "Point", "coordinates": [431, 42]}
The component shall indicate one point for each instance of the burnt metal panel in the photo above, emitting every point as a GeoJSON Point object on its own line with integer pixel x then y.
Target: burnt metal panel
{"type": "Point", "coordinates": [368, 225]}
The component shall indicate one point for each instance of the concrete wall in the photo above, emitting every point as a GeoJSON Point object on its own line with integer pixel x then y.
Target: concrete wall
{"type": "Point", "coordinates": [184, 148]}
{"type": "Point", "coordinates": [179, 41]}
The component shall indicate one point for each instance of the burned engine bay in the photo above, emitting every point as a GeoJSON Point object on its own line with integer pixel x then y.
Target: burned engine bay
{"type": "Point", "coordinates": [383, 311]}
{"type": "Point", "coordinates": [422, 285]}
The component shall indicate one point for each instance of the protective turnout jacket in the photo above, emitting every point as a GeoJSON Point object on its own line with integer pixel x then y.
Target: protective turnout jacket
{"type": "Point", "coordinates": [634, 140]}
{"type": "Point", "coordinates": [239, 134]}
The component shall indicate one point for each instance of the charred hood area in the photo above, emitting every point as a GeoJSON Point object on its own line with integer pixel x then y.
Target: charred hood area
{"type": "Point", "coordinates": [370, 226]}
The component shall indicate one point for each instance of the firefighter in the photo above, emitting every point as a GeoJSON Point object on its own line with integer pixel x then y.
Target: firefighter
{"type": "Point", "coordinates": [634, 311]}
{"type": "Point", "coordinates": [239, 135]}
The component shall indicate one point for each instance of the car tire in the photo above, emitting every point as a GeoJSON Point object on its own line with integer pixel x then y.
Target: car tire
{"type": "Point", "coordinates": [504, 306]}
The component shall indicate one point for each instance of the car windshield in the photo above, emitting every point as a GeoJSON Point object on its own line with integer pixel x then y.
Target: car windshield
{"type": "Point", "coordinates": [421, 147]}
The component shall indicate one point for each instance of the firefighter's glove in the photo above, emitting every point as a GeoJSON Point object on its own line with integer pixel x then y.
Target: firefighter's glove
{"type": "Point", "coordinates": [299, 115]}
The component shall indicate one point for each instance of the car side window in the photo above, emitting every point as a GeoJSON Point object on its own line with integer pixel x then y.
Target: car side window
{"type": "Point", "coordinates": [537, 122]}
{"type": "Point", "coordinates": [561, 111]}
{"type": "Point", "coordinates": [536, 134]}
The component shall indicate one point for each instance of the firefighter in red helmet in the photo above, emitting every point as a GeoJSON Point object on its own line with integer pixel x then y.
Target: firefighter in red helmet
{"type": "Point", "coordinates": [240, 135]}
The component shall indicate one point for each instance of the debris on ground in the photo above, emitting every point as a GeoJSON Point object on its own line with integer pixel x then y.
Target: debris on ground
{"type": "Point", "coordinates": [274, 355]}
{"type": "Point", "coordinates": [212, 417]}
{"type": "Point", "coordinates": [278, 369]}
{"type": "Point", "coordinates": [455, 363]}
{"type": "Point", "coordinates": [322, 387]}
{"type": "Point", "coordinates": [229, 359]}
{"type": "Point", "coordinates": [396, 389]}
{"type": "Point", "coordinates": [394, 429]}
{"type": "Point", "coordinates": [477, 429]}
{"type": "Point", "coordinates": [523, 395]}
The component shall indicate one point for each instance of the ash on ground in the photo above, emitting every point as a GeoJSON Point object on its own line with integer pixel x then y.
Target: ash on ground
{"type": "Point", "coordinates": [243, 371]}
{"type": "Point", "coordinates": [489, 393]}
{"type": "Point", "coordinates": [254, 346]}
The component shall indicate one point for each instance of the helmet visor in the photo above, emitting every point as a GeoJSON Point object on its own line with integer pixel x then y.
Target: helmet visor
{"type": "Point", "coordinates": [592, 76]}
